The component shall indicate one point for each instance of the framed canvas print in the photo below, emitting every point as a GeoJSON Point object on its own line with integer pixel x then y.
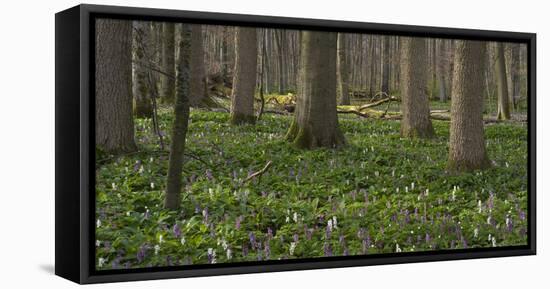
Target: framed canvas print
{"type": "Point", "coordinates": [193, 144]}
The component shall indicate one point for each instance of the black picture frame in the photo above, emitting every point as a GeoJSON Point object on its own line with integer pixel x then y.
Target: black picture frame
{"type": "Point", "coordinates": [74, 137]}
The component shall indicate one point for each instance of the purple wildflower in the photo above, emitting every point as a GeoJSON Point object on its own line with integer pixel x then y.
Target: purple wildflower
{"type": "Point", "coordinates": [245, 250]}
{"type": "Point", "coordinates": [327, 249]}
{"type": "Point", "coordinates": [522, 215]}
{"type": "Point", "coordinates": [137, 165]}
{"type": "Point", "coordinates": [295, 238]}
{"type": "Point", "coordinates": [177, 230]}
{"type": "Point", "coordinates": [428, 238]}
{"type": "Point", "coordinates": [252, 240]}
{"type": "Point", "coordinates": [238, 222]}
{"type": "Point", "coordinates": [208, 174]}
{"type": "Point", "coordinates": [141, 254]}
{"type": "Point", "coordinates": [267, 250]}
{"type": "Point", "coordinates": [269, 233]}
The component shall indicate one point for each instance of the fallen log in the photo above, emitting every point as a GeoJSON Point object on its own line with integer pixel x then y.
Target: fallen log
{"type": "Point", "coordinates": [378, 102]}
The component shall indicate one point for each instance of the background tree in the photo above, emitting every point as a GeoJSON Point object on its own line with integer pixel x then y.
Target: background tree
{"type": "Point", "coordinates": [467, 141]}
{"type": "Point", "coordinates": [441, 70]}
{"type": "Point", "coordinates": [114, 127]}
{"type": "Point", "coordinates": [515, 73]}
{"type": "Point", "coordinates": [168, 62]}
{"type": "Point", "coordinates": [144, 53]}
{"type": "Point", "coordinates": [385, 87]}
{"type": "Point", "coordinates": [181, 121]}
{"type": "Point", "coordinates": [502, 85]}
{"type": "Point", "coordinates": [198, 96]}
{"type": "Point", "coordinates": [343, 71]}
{"type": "Point", "coordinates": [415, 105]}
{"type": "Point", "coordinates": [244, 81]}
{"type": "Point", "coordinates": [316, 121]}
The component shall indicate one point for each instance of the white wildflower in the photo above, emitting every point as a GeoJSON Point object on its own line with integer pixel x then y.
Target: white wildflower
{"type": "Point", "coordinates": [476, 232]}
{"type": "Point", "coordinates": [335, 222]}
{"type": "Point", "coordinates": [292, 248]}
{"type": "Point", "coordinates": [397, 249]}
{"type": "Point", "coordinates": [211, 192]}
{"type": "Point", "coordinates": [229, 254]}
{"type": "Point", "coordinates": [479, 206]}
{"type": "Point", "coordinates": [140, 169]}
{"type": "Point", "coordinates": [329, 225]}
{"type": "Point", "coordinates": [393, 173]}
{"type": "Point", "coordinates": [377, 173]}
{"type": "Point", "coordinates": [101, 262]}
{"type": "Point", "coordinates": [295, 217]}
{"type": "Point", "coordinates": [182, 241]}
{"type": "Point", "coordinates": [157, 249]}
{"type": "Point", "coordinates": [287, 220]}
{"type": "Point", "coordinates": [494, 242]}
{"type": "Point", "coordinates": [161, 239]}
{"type": "Point", "coordinates": [152, 185]}
{"type": "Point", "coordinates": [489, 237]}
{"type": "Point", "coordinates": [97, 243]}
{"type": "Point", "coordinates": [98, 223]}
{"type": "Point", "coordinates": [406, 189]}
{"type": "Point", "coordinates": [113, 185]}
{"type": "Point", "coordinates": [412, 186]}
{"type": "Point", "coordinates": [489, 220]}
{"type": "Point", "coordinates": [128, 213]}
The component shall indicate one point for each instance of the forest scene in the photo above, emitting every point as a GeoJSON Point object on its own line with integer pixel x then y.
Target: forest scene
{"type": "Point", "coordinates": [229, 144]}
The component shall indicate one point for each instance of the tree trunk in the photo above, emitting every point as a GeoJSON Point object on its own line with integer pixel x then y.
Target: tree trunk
{"type": "Point", "coordinates": [415, 105]}
{"type": "Point", "coordinates": [502, 86]}
{"type": "Point", "coordinates": [386, 65]}
{"type": "Point", "coordinates": [244, 80]}
{"type": "Point", "coordinates": [198, 88]}
{"type": "Point", "coordinates": [181, 120]}
{"type": "Point", "coordinates": [142, 32]}
{"type": "Point", "coordinates": [316, 120]}
{"type": "Point", "coordinates": [168, 62]}
{"type": "Point", "coordinates": [372, 74]}
{"type": "Point", "coordinates": [343, 71]}
{"type": "Point", "coordinates": [467, 141]}
{"type": "Point", "coordinates": [515, 74]}
{"type": "Point", "coordinates": [441, 71]}
{"type": "Point", "coordinates": [113, 89]}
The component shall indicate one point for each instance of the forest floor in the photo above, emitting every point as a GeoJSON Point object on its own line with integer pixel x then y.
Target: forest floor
{"type": "Point", "coordinates": [379, 194]}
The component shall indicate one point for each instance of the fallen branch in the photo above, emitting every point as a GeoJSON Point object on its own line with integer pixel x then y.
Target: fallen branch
{"type": "Point", "coordinates": [258, 173]}
{"type": "Point", "coordinates": [378, 102]}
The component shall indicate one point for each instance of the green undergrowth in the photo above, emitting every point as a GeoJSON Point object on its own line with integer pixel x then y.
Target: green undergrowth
{"type": "Point", "coordinates": [378, 194]}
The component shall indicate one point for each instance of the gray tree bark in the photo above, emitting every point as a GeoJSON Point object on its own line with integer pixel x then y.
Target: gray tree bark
{"type": "Point", "coordinates": [441, 70]}
{"type": "Point", "coordinates": [244, 80]}
{"type": "Point", "coordinates": [114, 127]}
{"type": "Point", "coordinates": [181, 121]}
{"type": "Point", "coordinates": [467, 141]}
{"type": "Point", "coordinates": [144, 53]}
{"type": "Point", "coordinates": [386, 65]}
{"type": "Point", "coordinates": [198, 75]}
{"type": "Point", "coordinates": [316, 120]}
{"type": "Point", "coordinates": [502, 85]}
{"type": "Point", "coordinates": [168, 62]}
{"type": "Point", "coordinates": [343, 71]}
{"type": "Point", "coordinates": [415, 105]}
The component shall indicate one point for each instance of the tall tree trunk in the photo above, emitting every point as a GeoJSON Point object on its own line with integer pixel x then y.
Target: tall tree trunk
{"type": "Point", "coordinates": [279, 37]}
{"type": "Point", "coordinates": [386, 65]}
{"type": "Point", "coordinates": [515, 73]}
{"type": "Point", "coordinates": [467, 141]}
{"type": "Point", "coordinates": [372, 74]}
{"type": "Point", "coordinates": [198, 90]}
{"type": "Point", "coordinates": [502, 86]}
{"type": "Point", "coordinates": [441, 70]}
{"type": "Point", "coordinates": [168, 62]}
{"type": "Point", "coordinates": [179, 127]}
{"type": "Point", "coordinates": [143, 41]}
{"type": "Point", "coordinates": [114, 127]}
{"type": "Point", "coordinates": [316, 120]}
{"type": "Point", "coordinates": [415, 105]}
{"type": "Point", "coordinates": [343, 71]}
{"type": "Point", "coordinates": [433, 54]}
{"type": "Point", "coordinates": [244, 81]}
